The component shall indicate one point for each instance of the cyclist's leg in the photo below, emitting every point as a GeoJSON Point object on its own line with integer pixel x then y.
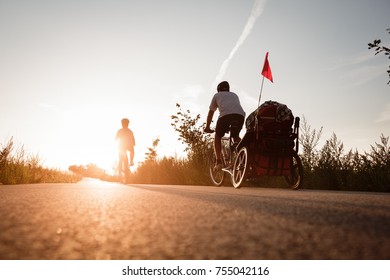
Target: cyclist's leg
{"type": "Point", "coordinates": [123, 162]}
{"type": "Point", "coordinates": [131, 151]}
{"type": "Point", "coordinates": [238, 124]}
{"type": "Point", "coordinates": [126, 163]}
{"type": "Point", "coordinates": [221, 128]}
{"type": "Point", "coordinates": [217, 147]}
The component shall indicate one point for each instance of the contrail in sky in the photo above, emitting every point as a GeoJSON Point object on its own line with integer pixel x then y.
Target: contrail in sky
{"type": "Point", "coordinates": [257, 10]}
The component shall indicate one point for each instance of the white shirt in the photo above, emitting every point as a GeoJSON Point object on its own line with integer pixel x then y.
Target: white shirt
{"type": "Point", "coordinates": [227, 103]}
{"type": "Point", "coordinates": [126, 139]}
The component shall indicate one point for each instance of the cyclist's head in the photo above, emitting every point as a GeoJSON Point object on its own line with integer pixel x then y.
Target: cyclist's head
{"type": "Point", "coordinates": [223, 86]}
{"type": "Point", "coordinates": [125, 122]}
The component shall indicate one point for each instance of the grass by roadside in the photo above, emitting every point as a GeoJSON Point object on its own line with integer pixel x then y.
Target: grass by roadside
{"type": "Point", "coordinates": [17, 167]}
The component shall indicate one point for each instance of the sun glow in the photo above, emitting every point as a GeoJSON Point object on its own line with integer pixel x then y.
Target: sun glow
{"type": "Point", "coordinates": [86, 135]}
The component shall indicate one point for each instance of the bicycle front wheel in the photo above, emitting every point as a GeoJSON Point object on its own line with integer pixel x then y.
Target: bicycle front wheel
{"type": "Point", "coordinates": [240, 169]}
{"type": "Point", "coordinates": [217, 176]}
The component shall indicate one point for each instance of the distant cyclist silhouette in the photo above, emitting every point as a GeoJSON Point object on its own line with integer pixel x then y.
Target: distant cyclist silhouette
{"type": "Point", "coordinates": [126, 144]}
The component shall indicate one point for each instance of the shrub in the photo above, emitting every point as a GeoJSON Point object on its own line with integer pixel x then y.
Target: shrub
{"type": "Point", "coordinates": [332, 168]}
{"type": "Point", "coordinates": [18, 168]}
{"type": "Point", "coordinates": [198, 144]}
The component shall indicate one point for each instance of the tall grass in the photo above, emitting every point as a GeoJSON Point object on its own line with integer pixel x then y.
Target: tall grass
{"type": "Point", "coordinates": [170, 170]}
{"type": "Point", "coordinates": [331, 167]}
{"type": "Point", "coordinates": [17, 167]}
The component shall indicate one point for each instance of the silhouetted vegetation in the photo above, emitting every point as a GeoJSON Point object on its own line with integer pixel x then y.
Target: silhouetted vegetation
{"type": "Point", "coordinates": [16, 167]}
{"type": "Point", "coordinates": [376, 44]}
{"type": "Point", "coordinates": [331, 167]}
{"type": "Point", "coordinates": [90, 170]}
{"type": "Point", "coordinates": [151, 155]}
{"type": "Point", "coordinates": [191, 134]}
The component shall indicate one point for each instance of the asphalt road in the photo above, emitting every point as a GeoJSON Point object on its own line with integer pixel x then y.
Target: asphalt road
{"type": "Point", "coordinates": [98, 220]}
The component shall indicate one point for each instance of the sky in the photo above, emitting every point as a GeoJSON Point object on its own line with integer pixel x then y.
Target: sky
{"type": "Point", "coordinates": [71, 70]}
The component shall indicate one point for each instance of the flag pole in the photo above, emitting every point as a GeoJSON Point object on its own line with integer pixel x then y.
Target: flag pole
{"type": "Point", "coordinates": [266, 72]}
{"type": "Point", "coordinates": [261, 90]}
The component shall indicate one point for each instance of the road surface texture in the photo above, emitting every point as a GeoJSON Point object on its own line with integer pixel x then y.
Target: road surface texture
{"type": "Point", "coordinates": [98, 220]}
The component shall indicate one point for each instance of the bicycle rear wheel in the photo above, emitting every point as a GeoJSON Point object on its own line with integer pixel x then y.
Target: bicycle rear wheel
{"type": "Point", "coordinates": [217, 176]}
{"type": "Point", "coordinates": [295, 179]}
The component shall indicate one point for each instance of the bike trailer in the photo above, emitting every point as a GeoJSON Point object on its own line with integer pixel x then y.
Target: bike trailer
{"type": "Point", "coordinates": [270, 139]}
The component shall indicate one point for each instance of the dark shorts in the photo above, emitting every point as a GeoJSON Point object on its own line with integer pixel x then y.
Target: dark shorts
{"type": "Point", "coordinates": [223, 125]}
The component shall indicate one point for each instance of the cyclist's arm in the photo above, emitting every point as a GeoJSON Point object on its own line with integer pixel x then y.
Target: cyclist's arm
{"type": "Point", "coordinates": [208, 121]}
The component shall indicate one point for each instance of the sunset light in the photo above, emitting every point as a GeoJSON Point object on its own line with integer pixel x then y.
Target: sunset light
{"type": "Point", "coordinates": [70, 70]}
{"type": "Point", "coordinates": [194, 139]}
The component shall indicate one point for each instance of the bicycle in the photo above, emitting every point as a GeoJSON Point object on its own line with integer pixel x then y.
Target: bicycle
{"type": "Point", "coordinates": [124, 171]}
{"type": "Point", "coordinates": [228, 156]}
{"type": "Point", "coordinates": [268, 148]}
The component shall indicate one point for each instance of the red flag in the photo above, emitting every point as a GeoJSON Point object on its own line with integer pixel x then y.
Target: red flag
{"type": "Point", "coordinates": [267, 69]}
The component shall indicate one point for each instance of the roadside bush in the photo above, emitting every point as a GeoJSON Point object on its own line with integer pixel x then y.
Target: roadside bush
{"type": "Point", "coordinates": [168, 170]}
{"type": "Point", "coordinates": [18, 168]}
{"type": "Point", "coordinates": [376, 165]}
{"type": "Point", "coordinates": [333, 168]}
{"type": "Point", "coordinates": [198, 144]}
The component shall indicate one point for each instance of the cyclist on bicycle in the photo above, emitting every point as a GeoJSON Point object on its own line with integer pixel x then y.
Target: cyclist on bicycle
{"type": "Point", "coordinates": [230, 110]}
{"type": "Point", "coordinates": [126, 144]}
